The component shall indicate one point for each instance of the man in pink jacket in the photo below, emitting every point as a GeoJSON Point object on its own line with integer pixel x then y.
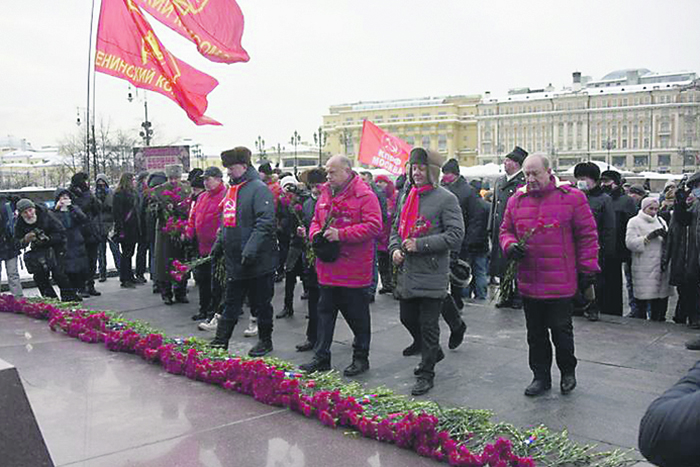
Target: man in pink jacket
{"type": "Point", "coordinates": [355, 221]}
{"type": "Point", "coordinates": [549, 228]}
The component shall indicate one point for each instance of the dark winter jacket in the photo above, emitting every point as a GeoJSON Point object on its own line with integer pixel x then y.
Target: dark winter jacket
{"type": "Point", "coordinates": [682, 243]}
{"type": "Point", "coordinates": [89, 204]}
{"type": "Point", "coordinates": [625, 209]}
{"type": "Point", "coordinates": [480, 242]}
{"type": "Point", "coordinates": [474, 223]}
{"type": "Point", "coordinates": [604, 214]}
{"type": "Point", "coordinates": [75, 260]}
{"type": "Point", "coordinates": [126, 218]}
{"type": "Point", "coordinates": [50, 226]}
{"type": "Point", "coordinates": [253, 238]}
{"type": "Point", "coordinates": [9, 248]}
{"type": "Point", "coordinates": [669, 431]}
{"type": "Point", "coordinates": [502, 191]}
{"type": "Point", "coordinates": [310, 278]}
{"type": "Point", "coordinates": [106, 216]}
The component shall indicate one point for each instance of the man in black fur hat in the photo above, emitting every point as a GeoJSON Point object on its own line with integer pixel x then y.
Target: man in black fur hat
{"type": "Point", "coordinates": [502, 191]}
{"type": "Point", "coordinates": [247, 241]}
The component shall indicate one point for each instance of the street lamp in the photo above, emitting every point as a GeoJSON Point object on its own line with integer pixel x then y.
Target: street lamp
{"type": "Point", "coordinates": [296, 139]}
{"type": "Point", "coordinates": [499, 151]}
{"type": "Point", "coordinates": [609, 144]}
{"type": "Point", "coordinates": [320, 139]}
{"type": "Point", "coordinates": [279, 154]}
{"type": "Point", "coordinates": [147, 132]}
{"type": "Point", "coordinates": [345, 139]}
{"type": "Point", "coordinates": [260, 146]}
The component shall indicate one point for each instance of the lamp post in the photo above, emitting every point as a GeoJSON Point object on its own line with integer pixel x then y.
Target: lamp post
{"type": "Point", "coordinates": [279, 154]}
{"type": "Point", "coordinates": [345, 137]}
{"type": "Point", "coordinates": [320, 139]}
{"type": "Point", "coordinates": [147, 132]}
{"type": "Point", "coordinates": [296, 139]}
{"type": "Point", "coordinates": [260, 146]}
{"type": "Point", "coordinates": [609, 144]}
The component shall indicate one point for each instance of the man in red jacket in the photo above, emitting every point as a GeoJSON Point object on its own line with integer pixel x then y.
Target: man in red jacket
{"type": "Point", "coordinates": [202, 225]}
{"type": "Point", "coordinates": [347, 219]}
{"type": "Point", "coordinates": [549, 228]}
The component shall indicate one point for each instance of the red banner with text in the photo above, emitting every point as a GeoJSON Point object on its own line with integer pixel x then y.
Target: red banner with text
{"type": "Point", "coordinates": [215, 26]}
{"type": "Point", "coordinates": [127, 48]}
{"type": "Point", "coordinates": [383, 150]}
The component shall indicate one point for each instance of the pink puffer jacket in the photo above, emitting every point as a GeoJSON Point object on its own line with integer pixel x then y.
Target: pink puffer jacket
{"type": "Point", "coordinates": [205, 218]}
{"type": "Point", "coordinates": [359, 222]}
{"type": "Point", "coordinates": [564, 244]}
{"type": "Point", "coordinates": [390, 192]}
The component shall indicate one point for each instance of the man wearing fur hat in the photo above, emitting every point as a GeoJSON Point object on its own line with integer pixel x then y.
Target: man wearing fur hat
{"type": "Point", "coordinates": [587, 180]}
{"type": "Point", "coordinates": [247, 241]}
{"type": "Point", "coordinates": [91, 230]}
{"type": "Point", "coordinates": [171, 203]}
{"type": "Point", "coordinates": [503, 189]}
{"type": "Point", "coordinates": [346, 222]}
{"type": "Point", "coordinates": [429, 225]}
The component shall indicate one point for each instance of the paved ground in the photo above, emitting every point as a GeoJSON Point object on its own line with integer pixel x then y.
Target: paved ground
{"type": "Point", "coordinates": [97, 408]}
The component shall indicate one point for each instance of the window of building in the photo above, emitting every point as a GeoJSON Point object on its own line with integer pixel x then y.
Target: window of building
{"type": "Point", "coordinates": [664, 141]}
{"type": "Point", "coordinates": [635, 143]}
{"type": "Point", "coordinates": [425, 116]}
{"type": "Point", "coordinates": [664, 160]}
{"type": "Point", "coordinates": [378, 119]}
{"type": "Point", "coordinates": [425, 142]}
{"type": "Point", "coordinates": [688, 159]}
{"type": "Point", "coordinates": [442, 142]}
{"type": "Point", "coordinates": [646, 143]}
{"type": "Point", "coordinates": [409, 117]}
{"type": "Point", "coordinates": [394, 118]}
{"type": "Point", "coordinates": [619, 161]}
{"type": "Point", "coordinates": [624, 144]}
{"type": "Point", "coordinates": [641, 161]}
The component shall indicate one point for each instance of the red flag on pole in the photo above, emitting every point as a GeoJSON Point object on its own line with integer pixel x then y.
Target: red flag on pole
{"type": "Point", "coordinates": [384, 150]}
{"type": "Point", "coordinates": [127, 48]}
{"type": "Point", "coordinates": [215, 26]}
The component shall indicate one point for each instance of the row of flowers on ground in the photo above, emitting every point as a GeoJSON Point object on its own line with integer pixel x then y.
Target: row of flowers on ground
{"type": "Point", "coordinates": [462, 437]}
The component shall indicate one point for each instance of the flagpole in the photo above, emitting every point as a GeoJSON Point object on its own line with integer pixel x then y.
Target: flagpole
{"type": "Point", "coordinates": [90, 122]}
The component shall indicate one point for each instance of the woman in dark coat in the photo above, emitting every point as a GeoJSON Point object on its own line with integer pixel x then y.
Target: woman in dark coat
{"type": "Point", "coordinates": [76, 258]}
{"type": "Point", "coordinates": [126, 226]}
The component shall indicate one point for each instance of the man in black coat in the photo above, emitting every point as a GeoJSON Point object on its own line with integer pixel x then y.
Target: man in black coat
{"type": "Point", "coordinates": [9, 248]}
{"type": "Point", "coordinates": [473, 223]}
{"type": "Point", "coordinates": [587, 176]}
{"type": "Point", "coordinates": [247, 240]}
{"type": "Point", "coordinates": [38, 228]}
{"type": "Point", "coordinates": [669, 431]}
{"type": "Point", "coordinates": [503, 189]}
{"type": "Point", "coordinates": [142, 250]}
{"type": "Point", "coordinates": [624, 209]}
{"type": "Point", "coordinates": [92, 229]}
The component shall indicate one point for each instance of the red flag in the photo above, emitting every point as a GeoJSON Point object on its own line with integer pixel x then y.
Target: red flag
{"type": "Point", "coordinates": [216, 26]}
{"type": "Point", "coordinates": [128, 48]}
{"type": "Point", "coordinates": [381, 149]}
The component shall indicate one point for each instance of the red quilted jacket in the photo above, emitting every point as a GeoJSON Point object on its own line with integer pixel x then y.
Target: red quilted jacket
{"type": "Point", "coordinates": [205, 218]}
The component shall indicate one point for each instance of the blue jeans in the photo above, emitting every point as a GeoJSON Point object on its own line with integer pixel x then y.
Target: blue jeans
{"type": "Point", "coordinates": [479, 283]}
{"type": "Point", "coordinates": [102, 256]}
{"type": "Point", "coordinates": [635, 312]}
{"type": "Point", "coordinates": [372, 289]}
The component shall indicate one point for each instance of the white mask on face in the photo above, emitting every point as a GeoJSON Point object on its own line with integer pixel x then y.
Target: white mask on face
{"type": "Point", "coordinates": [582, 185]}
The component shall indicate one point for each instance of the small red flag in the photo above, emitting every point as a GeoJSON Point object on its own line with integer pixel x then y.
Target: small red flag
{"type": "Point", "coordinates": [127, 48]}
{"type": "Point", "coordinates": [215, 26]}
{"type": "Point", "coordinates": [384, 150]}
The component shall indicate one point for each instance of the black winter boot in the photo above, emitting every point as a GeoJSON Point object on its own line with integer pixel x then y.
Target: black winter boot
{"type": "Point", "coordinates": [224, 329]}
{"type": "Point", "coordinates": [264, 345]}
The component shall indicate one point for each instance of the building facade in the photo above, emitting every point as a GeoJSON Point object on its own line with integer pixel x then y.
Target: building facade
{"type": "Point", "coordinates": [632, 119]}
{"type": "Point", "coordinates": [445, 124]}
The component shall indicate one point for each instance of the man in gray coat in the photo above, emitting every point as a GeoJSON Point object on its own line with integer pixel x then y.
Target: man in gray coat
{"type": "Point", "coordinates": [503, 189]}
{"type": "Point", "coordinates": [429, 224]}
{"type": "Point", "coordinates": [247, 239]}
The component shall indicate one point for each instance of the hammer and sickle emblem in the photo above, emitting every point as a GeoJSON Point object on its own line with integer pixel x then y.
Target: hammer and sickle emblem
{"type": "Point", "coordinates": [150, 46]}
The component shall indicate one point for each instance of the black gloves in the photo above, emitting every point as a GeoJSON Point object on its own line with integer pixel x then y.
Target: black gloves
{"type": "Point", "coordinates": [656, 233]}
{"type": "Point", "coordinates": [515, 251]}
{"type": "Point", "coordinates": [585, 281]}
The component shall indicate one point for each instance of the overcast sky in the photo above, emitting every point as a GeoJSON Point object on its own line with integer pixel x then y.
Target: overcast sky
{"type": "Point", "coordinates": [309, 54]}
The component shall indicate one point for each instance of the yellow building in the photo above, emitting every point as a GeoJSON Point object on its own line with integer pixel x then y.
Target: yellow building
{"type": "Point", "coordinates": [445, 124]}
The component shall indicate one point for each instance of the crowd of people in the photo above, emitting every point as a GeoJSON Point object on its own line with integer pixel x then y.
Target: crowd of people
{"type": "Point", "coordinates": [430, 238]}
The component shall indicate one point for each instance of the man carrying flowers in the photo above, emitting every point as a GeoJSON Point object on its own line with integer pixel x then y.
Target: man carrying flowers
{"type": "Point", "coordinates": [247, 241]}
{"type": "Point", "coordinates": [429, 225]}
{"type": "Point", "coordinates": [549, 228]}
{"type": "Point", "coordinates": [346, 222]}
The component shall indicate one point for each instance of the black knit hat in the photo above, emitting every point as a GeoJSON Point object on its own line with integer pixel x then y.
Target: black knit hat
{"type": "Point", "coordinates": [316, 176]}
{"type": "Point", "coordinates": [213, 172]}
{"type": "Point", "coordinates": [265, 168]}
{"type": "Point", "coordinates": [156, 178]}
{"type": "Point", "coordinates": [518, 155]}
{"type": "Point", "coordinates": [60, 192]}
{"type": "Point", "coordinates": [418, 156]}
{"type": "Point", "coordinates": [194, 173]}
{"type": "Point", "coordinates": [612, 175]}
{"type": "Point", "coordinates": [239, 155]}
{"type": "Point", "coordinates": [197, 182]}
{"type": "Point", "coordinates": [587, 169]}
{"type": "Point", "coordinates": [451, 166]}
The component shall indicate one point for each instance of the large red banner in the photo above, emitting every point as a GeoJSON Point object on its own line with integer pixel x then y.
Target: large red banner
{"type": "Point", "coordinates": [127, 48]}
{"type": "Point", "coordinates": [384, 150]}
{"type": "Point", "coordinates": [215, 26]}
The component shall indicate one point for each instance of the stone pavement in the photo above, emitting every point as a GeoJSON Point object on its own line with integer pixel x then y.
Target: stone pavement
{"type": "Point", "coordinates": [98, 408]}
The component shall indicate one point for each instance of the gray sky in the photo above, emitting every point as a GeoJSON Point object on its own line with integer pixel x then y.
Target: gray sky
{"type": "Point", "coordinates": [309, 54]}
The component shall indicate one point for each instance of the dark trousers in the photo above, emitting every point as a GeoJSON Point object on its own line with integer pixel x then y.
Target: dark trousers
{"type": "Point", "coordinates": [43, 282]}
{"type": "Point", "coordinates": [421, 317]}
{"type": "Point", "coordinates": [102, 256]}
{"type": "Point", "coordinates": [386, 270]}
{"type": "Point", "coordinates": [450, 313]}
{"type": "Point", "coordinates": [141, 252]}
{"type": "Point", "coordinates": [353, 303]}
{"type": "Point", "coordinates": [126, 272]}
{"type": "Point", "coordinates": [688, 308]}
{"type": "Point", "coordinates": [259, 291]}
{"type": "Point", "coordinates": [312, 302]}
{"type": "Point", "coordinates": [209, 289]}
{"type": "Point", "coordinates": [658, 307]}
{"type": "Point", "coordinates": [76, 280]}
{"type": "Point", "coordinates": [167, 288]}
{"type": "Point", "coordinates": [541, 318]}
{"type": "Point", "coordinates": [290, 281]}
{"type": "Point", "coordinates": [283, 241]}
{"type": "Point", "coordinates": [92, 251]}
{"type": "Point", "coordinates": [612, 289]}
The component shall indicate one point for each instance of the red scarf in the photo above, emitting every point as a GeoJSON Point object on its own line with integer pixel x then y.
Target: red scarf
{"type": "Point", "coordinates": [411, 209]}
{"type": "Point", "coordinates": [230, 204]}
